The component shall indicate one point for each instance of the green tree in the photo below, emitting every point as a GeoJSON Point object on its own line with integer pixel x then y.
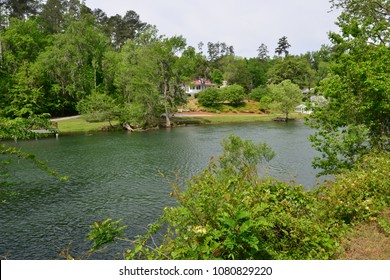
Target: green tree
{"type": "Point", "coordinates": [259, 92]}
{"type": "Point", "coordinates": [263, 52]}
{"type": "Point", "coordinates": [21, 9]}
{"type": "Point", "coordinates": [283, 46]}
{"type": "Point", "coordinates": [293, 68]}
{"type": "Point", "coordinates": [52, 16]}
{"type": "Point", "coordinates": [217, 77]}
{"type": "Point", "coordinates": [170, 80]}
{"type": "Point", "coordinates": [98, 107]}
{"type": "Point", "coordinates": [137, 81]}
{"type": "Point", "coordinates": [288, 95]}
{"type": "Point", "coordinates": [21, 42]}
{"type": "Point", "coordinates": [257, 72]}
{"type": "Point", "coordinates": [236, 71]}
{"type": "Point", "coordinates": [71, 67]}
{"type": "Point", "coordinates": [218, 50]}
{"type": "Point", "coordinates": [355, 120]}
{"type": "Point", "coordinates": [120, 29]}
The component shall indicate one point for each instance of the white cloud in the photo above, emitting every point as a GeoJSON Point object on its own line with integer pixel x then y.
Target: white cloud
{"type": "Point", "coordinates": [245, 24]}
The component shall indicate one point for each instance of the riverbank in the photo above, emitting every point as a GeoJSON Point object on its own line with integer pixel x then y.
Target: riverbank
{"type": "Point", "coordinates": [78, 124]}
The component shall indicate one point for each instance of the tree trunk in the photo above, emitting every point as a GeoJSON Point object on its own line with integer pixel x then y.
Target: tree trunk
{"type": "Point", "coordinates": [167, 119]}
{"type": "Point", "coordinates": [128, 127]}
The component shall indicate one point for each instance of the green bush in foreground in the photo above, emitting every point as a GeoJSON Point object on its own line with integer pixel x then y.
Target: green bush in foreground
{"type": "Point", "coordinates": [230, 212]}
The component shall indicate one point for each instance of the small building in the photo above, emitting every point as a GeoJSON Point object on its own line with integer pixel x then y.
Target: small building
{"type": "Point", "coordinates": [303, 109]}
{"type": "Point", "coordinates": [197, 86]}
{"type": "Point", "coordinates": [315, 101]}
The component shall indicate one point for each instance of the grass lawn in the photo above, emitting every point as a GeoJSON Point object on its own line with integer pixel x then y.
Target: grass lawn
{"type": "Point", "coordinates": [221, 118]}
{"type": "Point", "coordinates": [81, 125]}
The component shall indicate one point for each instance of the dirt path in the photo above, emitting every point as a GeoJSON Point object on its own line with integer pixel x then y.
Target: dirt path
{"type": "Point", "coordinates": [66, 118]}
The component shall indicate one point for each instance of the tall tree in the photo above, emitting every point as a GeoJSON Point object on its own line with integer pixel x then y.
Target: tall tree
{"type": "Point", "coordinates": [71, 66]}
{"type": "Point", "coordinates": [137, 80]}
{"type": "Point", "coordinates": [171, 82]}
{"type": "Point", "coordinates": [356, 119]}
{"type": "Point", "coordinates": [21, 9]}
{"type": "Point", "coordinates": [52, 15]}
{"type": "Point", "coordinates": [263, 52]}
{"type": "Point", "coordinates": [218, 50]}
{"type": "Point", "coordinates": [125, 28]}
{"type": "Point", "coordinates": [288, 95]}
{"type": "Point", "coordinates": [21, 44]}
{"type": "Point", "coordinates": [283, 46]}
{"type": "Point", "coordinates": [294, 68]}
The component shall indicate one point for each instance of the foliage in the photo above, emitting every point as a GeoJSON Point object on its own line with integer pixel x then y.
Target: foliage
{"type": "Point", "coordinates": [288, 95]}
{"type": "Point", "coordinates": [233, 94]}
{"type": "Point", "coordinates": [210, 97]}
{"type": "Point", "coordinates": [20, 128]}
{"type": "Point", "coordinates": [71, 66]}
{"type": "Point", "coordinates": [263, 52]}
{"type": "Point", "coordinates": [283, 46]}
{"type": "Point", "coordinates": [360, 193]}
{"type": "Point", "coordinates": [98, 107]}
{"type": "Point", "coordinates": [355, 121]}
{"type": "Point", "coordinates": [236, 71]}
{"type": "Point", "coordinates": [217, 77]}
{"type": "Point", "coordinates": [105, 232]}
{"type": "Point", "coordinates": [170, 81]}
{"type": "Point", "coordinates": [218, 50]}
{"type": "Point", "coordinates": [258, 93]}
{"type": "Point", "coordinates": [294, 68]}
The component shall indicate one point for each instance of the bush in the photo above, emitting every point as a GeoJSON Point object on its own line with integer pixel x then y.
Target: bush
{"type": "Point", "coordinates": [233, 94]}
{"type": "Point", "coordinates": [209, 97]}
{"type": "Point", "coordinates": [360, 193]}
{"type": "Point", "coordinates": [258, 93]}
{"type": "Point", "coordinates": [97, 107]}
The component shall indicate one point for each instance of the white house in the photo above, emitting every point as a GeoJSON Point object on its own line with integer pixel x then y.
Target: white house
{"type": "Point", "coordinates": [198, 86]}
{"type": "Point", "coordinates": [303, 109]}
{"type": "Point", "coordinates": [318, 100]}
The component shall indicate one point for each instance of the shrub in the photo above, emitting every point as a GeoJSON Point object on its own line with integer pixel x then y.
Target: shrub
{"type": "Point", "coordinates": [97, 107]}
{"type": "Point", "coordinates": [209, 97]}
{"type": "Point", "coordinates": [258, 93]}
{"type": "Point", "coordinates": [360, 193]}
{"type": "Point", "coordinates": [233, 94]}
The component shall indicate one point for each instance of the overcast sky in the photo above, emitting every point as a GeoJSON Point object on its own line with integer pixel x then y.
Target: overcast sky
{"type": "Point", "coordinates": [245, 24]}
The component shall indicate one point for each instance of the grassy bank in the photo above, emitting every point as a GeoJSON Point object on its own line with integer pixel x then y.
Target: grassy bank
{"type": "Point", "coordinates": [81, 125]}
{"type": "Point", "coordinates": [234, 118]}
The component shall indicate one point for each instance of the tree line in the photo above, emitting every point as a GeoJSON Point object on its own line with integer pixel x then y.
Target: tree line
{"type": "Point", "coordinates": [57, 53]}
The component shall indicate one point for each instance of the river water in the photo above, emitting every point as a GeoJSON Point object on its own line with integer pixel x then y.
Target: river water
{"type": "Point", "coordinates": [118, 176]}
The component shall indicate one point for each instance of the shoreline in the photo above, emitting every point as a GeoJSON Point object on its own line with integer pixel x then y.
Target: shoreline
{"type": "Point", "coordinates": [77, 124]}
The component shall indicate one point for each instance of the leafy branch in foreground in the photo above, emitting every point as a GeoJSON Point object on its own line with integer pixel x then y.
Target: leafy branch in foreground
{"type": "Point", "coordinates": [355, 120]}
{"type": "Point", "coordinates": [20, 128]}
